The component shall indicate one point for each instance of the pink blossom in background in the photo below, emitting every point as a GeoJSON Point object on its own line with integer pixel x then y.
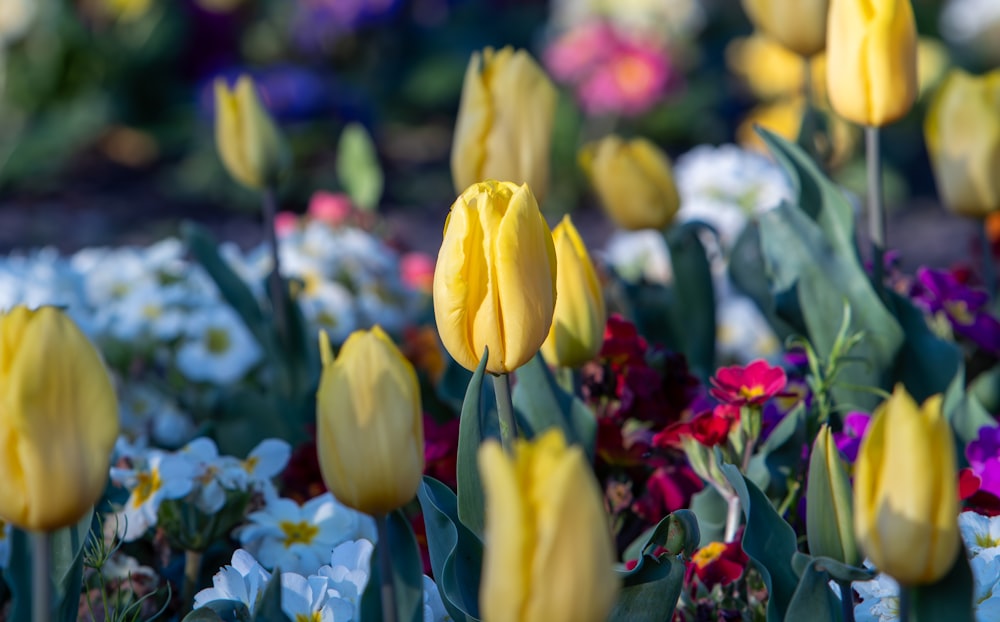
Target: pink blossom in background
{"type": "Point", "coordinates": [285, 223]}
{"type": "Point", "coordinates": [331, 207]}
{"type": "Point", "coordinates": [579, 51]}
{"type": "Point", "coordinates": [417, 271]}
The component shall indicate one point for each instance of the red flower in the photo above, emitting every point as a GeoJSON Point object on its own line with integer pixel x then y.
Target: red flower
{"type": "Point", "coordinates": [669, 488]}
{"type": "Point", "coordinates": [718, 563]}
{"type": "Point", "coordinates": [975, 499]}
{"type": "Point", "coordinates": [754, 384]}
{"type": "Point", "coordinates": [441, 450]}
{"type": "Point", "coordinates": [709, 428]}
{"type": "Point", "coordinates": [622, 342]}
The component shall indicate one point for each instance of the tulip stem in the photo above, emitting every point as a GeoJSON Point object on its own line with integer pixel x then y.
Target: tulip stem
{"type": "Point", "coordinates": [41, 585]}
{"type": "Point", "coordinates": [733, 515]}
{"type": "Point", "coordinates": [505, 412]}
{"type": "Point", "coordinates": [276, 290]}
{"type": "Point", "coordinates": [388, 590]}
{"type": "Point", "coordinates": [904, 604]}
{"type": "Point", "coordinates": [876, 208]}
{"type": "Point", "coordinates": [989, 263]}
{"type": "Point", "coordinates": [192, 568]}
{"type": "Point", "coordinates": [846, 600]}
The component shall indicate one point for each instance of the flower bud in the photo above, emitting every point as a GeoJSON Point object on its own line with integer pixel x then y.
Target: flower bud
{"type": "Point", "coordinates": [905, 491]}
{"type": "Point", "coordinates": [577, 331]}
{"type": "Point", "coordinates": [798, 25]}
{"type": "Point", "coordinates": [58, 422]}
{"type": "Point", "coordinates": [829, 510]}
{"type": "Point", "coordinates": [249, 143]}
{"type": "Point", "coordinates": [633, 181]}
{"type": "Point", "coordinates": [872, 68]}
{"type": "Point", "coordinates": [549, 554]}
{"type": "Point", "coordinates": [963, 137]}
{"type": "Point", "coordinates": [370, 432]}
{"type": "Point", "coordinates": [495, 278]}
{"type": "Point", "coordinates": [504, 126]}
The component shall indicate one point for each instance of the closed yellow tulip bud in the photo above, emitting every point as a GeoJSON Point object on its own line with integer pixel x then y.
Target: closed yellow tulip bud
{"type": "Point", "coordinates": [633, 180]}
{"type": "Point", "coordinates": [249, 143]}
{"type": "Point", "coordinates": [963, 137]}
{"type": "Point", "coordinates": [549, 554]}
{"type": "Point", "coordinates": [504, 126]}
{"type": "Point", "coordinates": [495, 279]}
{"type": "Point", "coordinates": [798, 25]}
{"type": "Point", "coordinates": [829, 508]}
{"type": "Point", "coordinates": [58, 420]}
{"type": "Point", "coordinates": [577, 330]}
{"type": "Point", "coordinates": [872, 72]}
{"type": "Point", "coordinates": [905, 491]}
{"type": "Point", "coordinates": [369, 423]}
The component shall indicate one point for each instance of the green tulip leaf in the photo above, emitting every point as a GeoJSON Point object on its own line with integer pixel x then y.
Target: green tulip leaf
{"type": "Point", "coordinates": [220, 611]}
{"type": "Point", "coordinates": [748, 274]}
{"type": "Point", "coordinates": [693, 306]}
{"type": "Point", "coordinates": [650, 591]}
{"type": "Point", "coordinates": [926, 363]}
{"type": "Point", "coordinates": [407, 573]}
{"type": "Point", "coordinates": [456, 553]}
{"type": "Point", "coordinates": [269, 607]}
{"type": "Point", "coordinates": [964, 412]}
{"type": "Point", "coordinates": [678, 533]}
{"type": "Point", "coordinates": [951, 598]}
{"type": "Point", "coordinates": [543, 404]}
{"type": "Point", "coordinates": [838, 571]}
{"type": "Point", "coordinates": [710, 508]}
{"type": "Point", "coordinates": [986, 388]}
{"type": "Point", "coordinates": [813, 599]}
{"type": "Point", "coordinates": [358, 169]}
{"type": "Point", "coordinates": [470, 435]}
{"type": "Point", "coordinates": [769, 541]}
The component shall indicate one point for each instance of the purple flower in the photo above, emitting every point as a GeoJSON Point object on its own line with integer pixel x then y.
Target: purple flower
{"type": "Point", "coordinates": [849, 439]}
{"type": "Point", "coordinates": [938, 291]}
{"type": "Point", "coordinates": [320, 22]}
{"type": "Point", "coordinates": [984, 458]}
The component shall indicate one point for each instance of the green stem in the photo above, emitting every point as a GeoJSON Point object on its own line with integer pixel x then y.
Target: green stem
{"type": "Point", "coordinates": [275, 287]}
{"type": "Point", "coordinates": [388, 590]}
{"type": "Point", "coordinates": [192, 569]}
{"type": "Point", "coordinates": [505, 412]}
{"type": "Point", "coordinates": [905, 604]}
{"type": "Point", "coordinates": [876, 208]}
{"type": "Point", "coordinates": [989, 263]}
{"type": "Point", "coordinates": [846, 600]}
{"type": "Point", "coordinates": [41, 570]}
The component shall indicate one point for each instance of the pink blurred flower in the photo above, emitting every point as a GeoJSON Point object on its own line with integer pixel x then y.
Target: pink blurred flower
{"type": "Point", "coordinates": [285, 223]}
{"type": "Point", "coordinates": [331, 207]}
{"type": "Point", "coordinates": [576, 53]}
{"type": "Point", "coordinates": [417, 271]}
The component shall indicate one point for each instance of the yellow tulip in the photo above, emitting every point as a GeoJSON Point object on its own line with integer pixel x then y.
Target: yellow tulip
{"type": "Point", "coordinates": [369, 423]}
{"type": "Point", "coordinates": [549, 554]}
{"type": "Point", "coordinates": [872, 74]}
{"type": "Point", "coordinates": [963, 137]}
{"type": "Point", "coordinates": [905, 491]}
{"type": "Point", "coordinates": [771, 71]}
{"type": "Point", "coordinates": [633, 180]}
{"type": "Point", "coordinates": [249, 143]}
{"type": "Point", "coordinates": [504, 126]}
{"type": "Point", "coordinates": [578, 322]}
{"type": "Point", "coordinates": [495, 279]}
{"type": "Point", "coordinates": [58, 420]}
{"type": "Point", "coordinates": [798, 25]}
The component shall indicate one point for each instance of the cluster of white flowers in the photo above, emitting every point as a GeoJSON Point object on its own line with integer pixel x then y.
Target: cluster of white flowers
{"type": "Point", "coordinates": [329, 593]}
{"type": "Point", "coordinates": [196, 472]}
{"type": "Point", "coordinates": [981, 536]}
{"type": "Point", "coordinates": [661, 19]}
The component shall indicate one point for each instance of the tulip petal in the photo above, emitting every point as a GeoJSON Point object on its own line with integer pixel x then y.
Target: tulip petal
{"type": "Point", "coordinates": [475, 116]}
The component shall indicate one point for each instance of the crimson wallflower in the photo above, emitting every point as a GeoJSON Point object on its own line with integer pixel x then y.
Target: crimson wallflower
{"type": "Point", "coordinates": [718, 563]}
{"type": "Point", "coordinates": [709, 428]}
{"type": "Point", "coordinates": [751, 385]}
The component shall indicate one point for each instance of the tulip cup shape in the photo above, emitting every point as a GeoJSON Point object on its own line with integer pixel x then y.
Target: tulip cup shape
{"type": "Point", "coordinates": [798, 25]}
{"type": "Point", "coordinates": [872, 68]}
{"type": "Point", "coordinates": [370, 432]}
{"type": "Point", "coordinates": [504, 126]}
{"type": "Point", "coordinates": [633, 180]}
{"type": "Point", "coordinates": [549, 554]}
{"type": "Point", "coordinates": [963, 137]}
{"type": "Point", "coordinates": [577, 331]}
{"type": "Point", "coordinates": [495, 278]}
{"type": "Point", "coordinates": [905, 491]}
{"type": "Point", "coordinates": [58, 420]}
{"type": "Point", "coordinates": [250, 145]}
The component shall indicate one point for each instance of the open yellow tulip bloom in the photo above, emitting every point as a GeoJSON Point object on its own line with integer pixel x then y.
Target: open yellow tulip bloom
{"type": "Point", "coordinates": [58, 420]}
{"type": "Point", "coordinates": [369, 424]}
{"type": "Point", "coordinates": [905, 491]}
{"type": "Point", "coordinates": [495, 280]}
{"type": "Point", "coordinates": [577, 330]}
{"type": "Point", "coordinates": [504, 126]}
{"type": "Point", "coordinates": [872, 52]}
{"type": "Point", "coordinates": [249, 144]}
{"type": "Point", "coordinates": [963, 137]}
{"type": "Point", "coordinates": [798, 25]}
{"type": "Point", "coordinates": [549, 554]}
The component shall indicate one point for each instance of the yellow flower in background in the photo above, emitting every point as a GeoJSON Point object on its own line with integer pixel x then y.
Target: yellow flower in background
{"type": "Point", "coordinates": [504, 126]}
{"type": "Point", "coordinates": [633, 180]}
{"type": "Point", "coordinates": [369, 423]}
{"type": "Point", "coordinates": [962, 130]}
{"type": "Point", "coordinates": [873, 80]}
{"type": "Point", "coordinates": [905, 491]}
{"type": "Point", "coordinates": [249, 143]}
{"type": "Point", "coordinates": [127, 9]}
{"type": "Point", "coordinates": [771, 71]}
{"type": "Point", "coordinates": [577, 331]}
{"type": "Point", "coordinates": [549, 554]}
{"type": "Point", "coordinates": [495, 279]}
{"type": "Point", "coordinates": [58, 420]}
{"type": "Point", "coordinates": [798, 25]}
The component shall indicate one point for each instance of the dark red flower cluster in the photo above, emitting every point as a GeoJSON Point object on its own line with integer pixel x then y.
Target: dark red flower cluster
{"type": "Point", "coordinates": [709, 428]}
{"type": "Point", "coordinates": [753, 385]}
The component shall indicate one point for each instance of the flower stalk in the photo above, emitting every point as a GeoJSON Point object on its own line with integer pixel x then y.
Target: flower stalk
{"type": "Point", "coordinates": [192, 568]}
{"type": "Point", "coordinates": [274, 283]}
{"type": "Point", "coordinates": [505, 412]}
{"type": "Point", "coordinates": [387, 590]}
{"type": "Point", "coordinates": [41, 569]}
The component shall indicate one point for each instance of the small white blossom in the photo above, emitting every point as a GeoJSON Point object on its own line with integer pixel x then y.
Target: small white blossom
{"type": "Point", "coordinates": [217, 347]}
{"type": "Point", "coordinates": [243, 581]}
{"type": "Point", "coordinates": [981, 534]}
{"type": "Point", "coordinates": [163, 476]}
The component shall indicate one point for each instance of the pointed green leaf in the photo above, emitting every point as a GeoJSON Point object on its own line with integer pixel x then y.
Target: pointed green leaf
{"type": "Point", "coordinates": [813, 599]}
{"type": "Point", "coordinates": [407, 573]}
{"type": "Point", "coordinates": [470, 435]}
{"type": "Point", "coordinates": [650, 591]}
{"type": "Point", "coordinates": [693, 305]}
{"type": "Point", "coordinates": [543, 404]}
{"type": "Point", "coordinates": [964, 411]}
{"type": "Point", "coordinates": [358, 169]}
{"type": "Point", "coordinates": [926, 363]}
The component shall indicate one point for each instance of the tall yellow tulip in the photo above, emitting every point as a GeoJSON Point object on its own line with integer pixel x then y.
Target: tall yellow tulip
{"type": "Point", "coordinates": [578, 322]}
{"type": "Point", "coordinates": [905, 491]}
{"type": "Point", "coordinates": [549, 554]}
{"type": "Point", "coordinates": [249, 143]}
{"type": "Point", "coordinates": [504, 126]}
{"type": "Point", "coordinates": [872, 52]}
{"type": "Point", "coordinates": [495, 279]}
{"type": "Point", "coordinates": [963, 137]}
{"type": "Point", "coordinates": [798, 25]}
{"type": "Point", "coordinates": [58, 420]}
{"type": "Point", "coordinates": [633, 180]}
{"type": "Point", "coordinates": [369, 423]}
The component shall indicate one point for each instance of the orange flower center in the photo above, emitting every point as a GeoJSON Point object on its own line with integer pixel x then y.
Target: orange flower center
{"type": "Point", "coordinates": [633, 75]}
{"type": "Point", "coordinates": [708, 554]}
{"type": "Point", "coordinates": [148, 484]}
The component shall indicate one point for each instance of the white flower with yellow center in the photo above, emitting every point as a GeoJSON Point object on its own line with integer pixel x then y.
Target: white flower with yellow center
{"type": "Point", "coordinates": [243, 581]}
{"type": "Point", "coordinates": [218, 347]}
{"type": "Point", "coordinates": [981, 534]}
{"type": "Point", "coordinates": [308, 600]}
{"type": "Point", "coordinates": [350, 565]}
{"type": "Point", "coordinates": [163, 476]}
{"type": "Point", "coordinates": [262, 464]}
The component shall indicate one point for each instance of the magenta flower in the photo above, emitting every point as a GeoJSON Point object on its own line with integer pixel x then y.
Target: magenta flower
{"type": "Point", "coordinates": [984, 459]}
{"type": "Point", "coordinates": [751, 385]}
{"type": "Point", "coordinates": [849, 439]}
{"type": "Point", "coordinates": [938, 291]}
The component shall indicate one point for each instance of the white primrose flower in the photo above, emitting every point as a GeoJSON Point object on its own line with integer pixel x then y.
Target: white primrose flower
{"type": "Point", "coordinates": [328, 306]}
{"type": "Point", "coordinates": [986, 572]}
{"type": "Point", "coordinates": [742, 332]}
{"type": "Point", "coordinates": [146, 413]}
{"type": "Point", "coordinates": [210, 494]}
{"type": "Point", "coordinates": [149, 311]}
{"type": "Point", "coordinates": [981, 534]}
{"type": "Point", "coordinates": [110, 274]}
{"type": "Point", "coordinates": [434, 610]}
{"type": "Point", "coordinates": [243, 581]}
{"type": "Point", "coordinates": [348, 572]}
{"type": "Point", "coordinates": [123, 567]}
{"type": "Point", "coordinates": [262, 464]}
{"type": "Point", "coordinates": [879, 599]}
{"type": "Point", "coordinates": [218, 347]}
{"type": "Point", "coordinates": [732, 175]}
{"type": "Point", "coordinates": [163, 476]}
{"type": "Point", "coordinates": [637, 255]}
{"type": "Point", "coordinates": [308, 600]}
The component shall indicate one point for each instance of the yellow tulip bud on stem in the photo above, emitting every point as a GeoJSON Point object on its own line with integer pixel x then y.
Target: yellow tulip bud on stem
{"type": "Point", "coordinates": [798, 25]}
